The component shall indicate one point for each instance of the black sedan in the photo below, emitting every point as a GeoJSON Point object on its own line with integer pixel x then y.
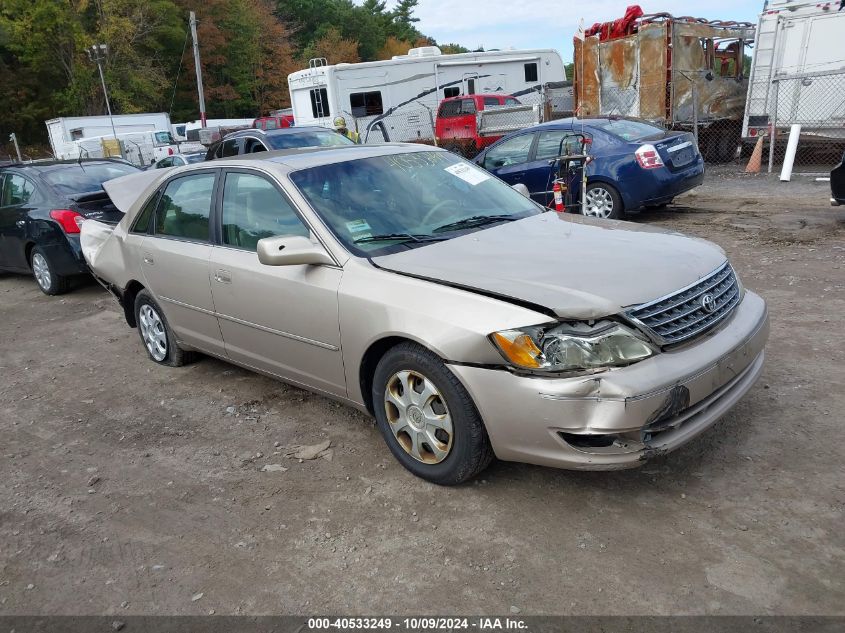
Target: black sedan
{"type": "Point", "coordinates": [41, 207]}
{"type": "Point", "coordinates": [837, 184]}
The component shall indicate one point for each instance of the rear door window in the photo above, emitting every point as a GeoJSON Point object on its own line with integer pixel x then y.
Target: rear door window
{"type": "Point", "coordinates": [184, 208]}
{"type": "Point", "coordinates": [253, 145]}
{"type": "Point", "coordinates": [513, 151]}
{"type": "Point", "coordinates": [16, 190]}
{"type": "Point", "coordinates": [230, 147]}
{"type": "Point", "coordinates": [549, 144]}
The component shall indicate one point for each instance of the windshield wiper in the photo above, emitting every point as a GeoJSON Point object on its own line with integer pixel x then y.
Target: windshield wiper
{"type": "Point", "coordinates": [399, 237]}
{"type": "Point", "coordinates": [474, 221]}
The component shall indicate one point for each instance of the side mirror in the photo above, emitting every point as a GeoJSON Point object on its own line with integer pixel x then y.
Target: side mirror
{"type": "Point", "coordinates": [521, 188]}
{"type": "Point", "coordinates": [291, 250]}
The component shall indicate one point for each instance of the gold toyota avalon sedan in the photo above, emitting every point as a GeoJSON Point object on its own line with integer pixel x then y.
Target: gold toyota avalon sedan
{"type": "Point", "coordinates": [415, 286]}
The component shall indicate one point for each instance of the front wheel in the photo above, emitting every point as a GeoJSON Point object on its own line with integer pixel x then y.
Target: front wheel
{"type": "Point", "coordinates": [427, 418]}
{"type": "Point", "coordinates": [602, 201]}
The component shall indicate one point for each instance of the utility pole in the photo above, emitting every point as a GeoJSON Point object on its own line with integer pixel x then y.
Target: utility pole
{"type": "Point", "coordinates": [97, 54]}
{"type": "Point", "coordinates": [14, 138]}
{"type": "Point", "coordinates": [198, 67]}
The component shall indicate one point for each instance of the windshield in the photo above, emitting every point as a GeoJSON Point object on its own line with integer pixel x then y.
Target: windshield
{"type": "Point", "coordinates": [632, 131]}
{"type": "Point", "coordinates": [309, 138]}
{"type": "Point", "coordinates": [384, 204]}
{"type": "Point", "coordinates": [84, 178]}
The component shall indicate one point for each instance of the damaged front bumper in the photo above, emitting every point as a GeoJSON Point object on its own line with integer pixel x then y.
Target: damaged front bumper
{"type": "Point", "coordinates": [619, 418]}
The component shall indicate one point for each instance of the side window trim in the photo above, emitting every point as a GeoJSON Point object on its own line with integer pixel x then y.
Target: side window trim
{"type": "Point", "coordinates": [151, 220]}
{"type": "Point", "coordinates": [6, 178]}
{"type": "Point", "coordinates": [217, 215]}
{"type": "Point", "coordinates": [153, 228]}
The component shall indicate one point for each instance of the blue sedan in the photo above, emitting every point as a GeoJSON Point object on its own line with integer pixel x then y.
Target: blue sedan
{"type": "Point", "coordinates": [634, 164]}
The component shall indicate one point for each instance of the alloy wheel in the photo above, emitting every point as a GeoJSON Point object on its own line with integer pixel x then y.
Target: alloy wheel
{"type": "Point", "coordinates": [41, 270]}
{"type": "Point", "coordinates": [418, 417]}
{"type": "Point", "coordinates": [153, 332]}
{"type": "Point", "coordinates": [599, 203]}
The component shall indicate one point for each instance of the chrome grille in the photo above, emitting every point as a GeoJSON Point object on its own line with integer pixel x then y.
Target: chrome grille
{"type": "Point", "coordinates": [687, 313]}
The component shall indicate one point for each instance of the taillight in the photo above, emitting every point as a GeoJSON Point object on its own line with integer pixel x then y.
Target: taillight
{"type": "Point", "coordinates": [170, 151]}
{"type": "Point", "coordinates": [648, 158]}
{"type": "Point", "coordinates": [70, 220]}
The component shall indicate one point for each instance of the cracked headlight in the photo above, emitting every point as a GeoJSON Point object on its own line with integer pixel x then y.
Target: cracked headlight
{"type": "Point", "coordinates": [572, 346]}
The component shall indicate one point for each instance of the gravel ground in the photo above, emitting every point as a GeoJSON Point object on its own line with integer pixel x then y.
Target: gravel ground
{"type": "Point", "coordinates": [127, 488]}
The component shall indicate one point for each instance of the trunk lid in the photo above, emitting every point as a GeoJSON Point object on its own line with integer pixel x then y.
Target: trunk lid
{"type": "Point", "coordinates": [96, 205]}
{"type": "Point", "coordinates": [677, 150]}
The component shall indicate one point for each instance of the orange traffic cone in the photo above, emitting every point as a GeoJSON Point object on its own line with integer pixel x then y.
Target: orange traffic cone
{"type": "Point", "coordinates": [756, 160]}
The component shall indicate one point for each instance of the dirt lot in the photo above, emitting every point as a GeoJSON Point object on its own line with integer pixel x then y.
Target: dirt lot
{"type": "Point", "coordinates": [130, 488]}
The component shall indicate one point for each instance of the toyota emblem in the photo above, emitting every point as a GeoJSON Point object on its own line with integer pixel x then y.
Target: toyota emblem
{"type": "Point", "coordinates": [708, 303]}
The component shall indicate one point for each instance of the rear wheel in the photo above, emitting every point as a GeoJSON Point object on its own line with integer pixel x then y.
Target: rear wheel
{"type": "Point", "coordinates": [427, 418]}
{"type": "Point", "coordinates": [156, 335]}
{"type": "Point", "coordinates": [50, 282]}
{"type": "Point", "coordinates": [602, 201]}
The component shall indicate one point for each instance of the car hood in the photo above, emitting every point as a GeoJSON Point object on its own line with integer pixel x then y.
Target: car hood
{"type": "Point", "coordinates": [575, 267]}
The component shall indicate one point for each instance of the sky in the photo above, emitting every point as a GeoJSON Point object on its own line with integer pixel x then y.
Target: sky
{"type": "Point", "coordinates": [551, 23]}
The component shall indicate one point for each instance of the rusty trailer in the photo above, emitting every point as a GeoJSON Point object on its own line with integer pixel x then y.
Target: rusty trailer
{"type": "Point", "coordinates": [682, 72]}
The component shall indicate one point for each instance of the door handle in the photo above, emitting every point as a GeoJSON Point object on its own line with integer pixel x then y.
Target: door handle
{"type": "Point", "coordinates": [223, 276]}
{"type": "Point", "coordinates": [148, 259]}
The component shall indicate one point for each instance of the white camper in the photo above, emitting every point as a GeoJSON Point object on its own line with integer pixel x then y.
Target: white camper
{"type": "Point", "coordinates": [64, 132]}
{"type": "Point", "coordinates": [798, 71]}
{"type": "Point", "coordinates": [399, 96]}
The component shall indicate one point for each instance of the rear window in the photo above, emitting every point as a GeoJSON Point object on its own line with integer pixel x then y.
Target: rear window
{"type": "Point", "coordinates": [316, 138]}
{"type": "Point", "coordinates": [84, 178]}
{"type": "Point", "coordinates": [626, 129]}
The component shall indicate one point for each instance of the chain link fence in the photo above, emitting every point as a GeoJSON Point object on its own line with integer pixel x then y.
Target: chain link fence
{"type": "Point", "coordinates": [816, 102]}
{"type": "Point", "coordinates": [463, 127]}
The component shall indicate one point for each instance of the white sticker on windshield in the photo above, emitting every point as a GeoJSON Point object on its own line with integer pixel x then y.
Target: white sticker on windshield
{"type": "Point", "coordinates": [468, 173]}
{"type": "Point", "coordinates": [357, 226]}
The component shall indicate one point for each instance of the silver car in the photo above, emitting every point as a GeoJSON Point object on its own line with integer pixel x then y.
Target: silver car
{"type": "Point", "coordinates": [417, 287]}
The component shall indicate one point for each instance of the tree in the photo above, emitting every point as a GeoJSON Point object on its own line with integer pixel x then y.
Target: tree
{"type": "Point", "coordinates": [393, 46]}
{"type": "Point", "coordinates": [334, 47]}
{"type": "Point", "coordinates": [403, 20]}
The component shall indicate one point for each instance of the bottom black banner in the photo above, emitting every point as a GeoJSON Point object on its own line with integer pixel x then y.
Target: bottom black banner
{"type": "Point", "coordinates": [422, 624]}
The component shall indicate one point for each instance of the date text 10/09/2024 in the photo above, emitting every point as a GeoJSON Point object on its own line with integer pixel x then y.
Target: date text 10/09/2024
{"type": "Point", "coordinates": [418, 624]}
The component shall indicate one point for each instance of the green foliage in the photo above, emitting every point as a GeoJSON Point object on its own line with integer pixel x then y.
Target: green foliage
{"type": "Point", "coordinates": [247, 47]}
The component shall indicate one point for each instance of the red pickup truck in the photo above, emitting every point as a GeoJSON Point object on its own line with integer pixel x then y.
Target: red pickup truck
{"type": "Point", "coordinates": [456, 128]}
{"type": "Point", "coordinates": [273, 122]}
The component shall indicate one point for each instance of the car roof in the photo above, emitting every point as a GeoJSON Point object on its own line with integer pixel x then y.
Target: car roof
{"type": "Point", "coordinates": [50, 164]}
{"type": "Point", "coordinates": [305, 157]}
{"type": "Point", "coordinates": [588, 121]}
{"type": "Point", "coordinates": [278, 131]}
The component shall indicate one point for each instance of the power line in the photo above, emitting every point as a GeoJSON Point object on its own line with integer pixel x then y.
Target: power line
{"type": "Point", "coordinates": [178, 72]}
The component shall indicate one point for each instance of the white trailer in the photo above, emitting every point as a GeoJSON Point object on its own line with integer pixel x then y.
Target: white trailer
{"type": "Point", "coordinates": [400, 96]}
{"type": "Point", "coordinates": [65, 131]}
{"type": "Point", "coordinates": [189, 131]}
{"type": "Point", "coordinates": [798, 71]}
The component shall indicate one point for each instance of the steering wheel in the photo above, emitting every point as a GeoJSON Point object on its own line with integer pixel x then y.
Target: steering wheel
{"type": "Point", "coordinates": [437, 207]}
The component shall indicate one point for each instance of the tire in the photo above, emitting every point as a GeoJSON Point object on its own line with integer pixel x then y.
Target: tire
{"type": "Point", "coordinates": [438, 456]}
{"type": "Point", "coordinates": [50, 282]}
{"type": "Point", "coordinates": [156, 335]}
{"type": "Point", "coordinates": [606, 202]}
